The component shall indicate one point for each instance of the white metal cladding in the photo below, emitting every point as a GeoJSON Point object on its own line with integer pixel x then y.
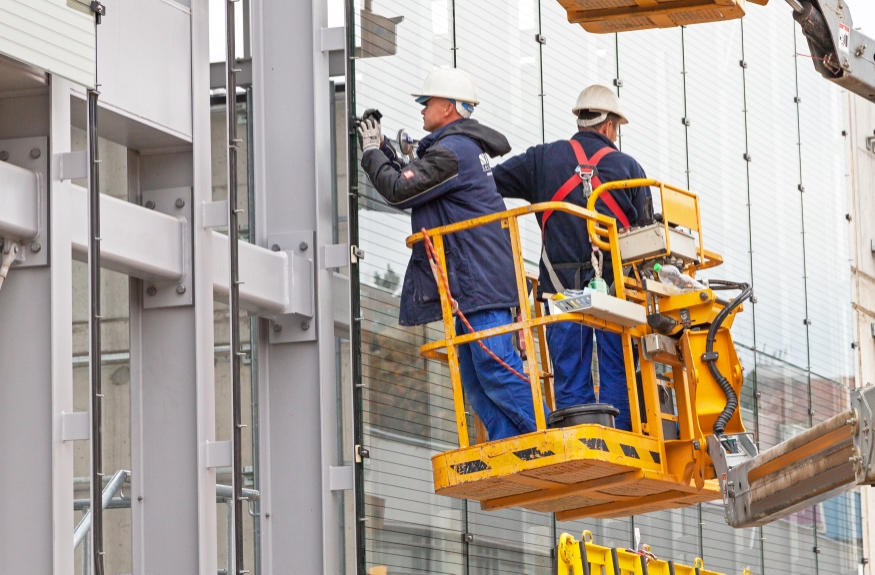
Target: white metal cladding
{"type": "Point", "coordinates": [54, 35]}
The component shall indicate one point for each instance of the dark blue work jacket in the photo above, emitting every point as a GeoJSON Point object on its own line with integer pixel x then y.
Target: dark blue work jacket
{"type": "Point", "coordinates": [450, 182]}
{"type": "Point", "coordinates": [537, 175]}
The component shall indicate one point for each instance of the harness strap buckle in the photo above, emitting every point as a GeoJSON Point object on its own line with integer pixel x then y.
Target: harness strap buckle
{"type": "Point", "coordinates": [586, 173]}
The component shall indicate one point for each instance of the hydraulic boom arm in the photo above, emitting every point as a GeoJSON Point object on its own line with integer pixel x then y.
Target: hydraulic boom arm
{"type": "Point", "coordinates": [840, 53]}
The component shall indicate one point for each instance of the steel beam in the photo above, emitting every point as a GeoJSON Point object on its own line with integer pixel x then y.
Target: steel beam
{"type": "Point", "coordinates": [149, 245]}
{"type": "Point", "coordinates": [173, 395]}
{"type": "Point", "coordinates": [36, 385]}
{"type": "Point", "coordinates": [296, 381]}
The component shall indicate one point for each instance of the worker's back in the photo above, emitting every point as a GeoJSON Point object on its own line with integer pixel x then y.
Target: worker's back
{"type": "Point", "coordinates": [541, 171]}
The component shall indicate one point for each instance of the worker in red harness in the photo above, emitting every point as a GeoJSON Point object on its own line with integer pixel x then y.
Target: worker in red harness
{"type": "Point", "coordinates": [568, 170]}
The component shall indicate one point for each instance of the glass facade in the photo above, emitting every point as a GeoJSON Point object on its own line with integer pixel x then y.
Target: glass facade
{"type": "Point", "coordinates": [728, 110]}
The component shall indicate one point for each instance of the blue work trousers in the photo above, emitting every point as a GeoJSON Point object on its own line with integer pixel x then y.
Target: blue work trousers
{"type": "Point", "coordinates": [502, 401]}
{"type": "Point", "coordinates": [570, 346]}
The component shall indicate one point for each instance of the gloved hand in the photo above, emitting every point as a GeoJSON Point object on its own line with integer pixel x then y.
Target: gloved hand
{"type": "Point", "coordinates": [370, 136]}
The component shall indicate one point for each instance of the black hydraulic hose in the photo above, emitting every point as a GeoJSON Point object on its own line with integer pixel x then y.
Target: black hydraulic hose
{"type": "Point", "coordinates": [710, 357]}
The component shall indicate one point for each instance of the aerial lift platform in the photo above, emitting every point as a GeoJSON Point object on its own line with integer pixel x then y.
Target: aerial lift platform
{"type": "Point", "coordinates": [688, 444]}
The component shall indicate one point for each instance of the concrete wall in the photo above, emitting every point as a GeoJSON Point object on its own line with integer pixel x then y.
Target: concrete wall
{"type": "Point", "coordinates": [861, 188]}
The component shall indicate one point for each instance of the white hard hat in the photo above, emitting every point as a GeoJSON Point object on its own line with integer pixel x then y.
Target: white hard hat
{"type": "Point", "coordinates": [598, 98]}
{"type": "Point", "coordinates": [449, 83]}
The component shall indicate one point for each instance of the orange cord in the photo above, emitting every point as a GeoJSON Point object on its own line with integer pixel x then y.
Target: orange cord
{"type": "Point", "coordinates": [439, 276]}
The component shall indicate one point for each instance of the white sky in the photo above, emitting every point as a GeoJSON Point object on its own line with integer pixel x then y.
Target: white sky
{"type": "Point", "coordinates": [863, 13]}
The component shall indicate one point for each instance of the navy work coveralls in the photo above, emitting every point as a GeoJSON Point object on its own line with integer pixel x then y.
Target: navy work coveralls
{"type": "Point", "coordinates": [536, 176]}
{"type": "Point", "coordinates": [451, 181]}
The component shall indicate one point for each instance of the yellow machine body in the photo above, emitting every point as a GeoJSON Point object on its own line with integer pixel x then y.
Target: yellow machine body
{"type": "Point", "coordinates": [581, 557]}
{"type": "Point", "coordinates": [609, 16]}
{"type": "Point", "coordinates": [591, 470]}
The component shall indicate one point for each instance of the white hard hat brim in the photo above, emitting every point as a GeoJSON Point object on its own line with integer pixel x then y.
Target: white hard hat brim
{"type": "Point", "coordinates": [623, 119]}
{"type": "Point", "coordinates": [426, 96]}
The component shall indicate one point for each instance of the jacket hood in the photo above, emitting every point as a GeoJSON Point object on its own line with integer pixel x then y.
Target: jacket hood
{"type": "Point", "coordinates": [493, 142]}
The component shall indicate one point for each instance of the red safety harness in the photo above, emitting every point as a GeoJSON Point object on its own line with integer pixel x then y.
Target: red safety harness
{"type": "Point", "coordinates": [586, 166]}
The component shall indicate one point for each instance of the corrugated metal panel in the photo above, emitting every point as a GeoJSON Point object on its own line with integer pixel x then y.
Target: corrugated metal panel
{"type": "Point", "coordinates": [54, 35]}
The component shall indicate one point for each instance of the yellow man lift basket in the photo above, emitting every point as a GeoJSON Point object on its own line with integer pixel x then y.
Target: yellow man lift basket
{"type": "Point", "coordinates": [591, 470]}
{"type": "Point", "coordinates": [608, 16]}
{"type": "Point", "coordinates": [585, 558]}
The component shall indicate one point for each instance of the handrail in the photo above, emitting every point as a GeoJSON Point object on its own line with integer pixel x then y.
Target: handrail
{"type": "Point", "coordinates": [596, 233]}
{"type": "Point", "coordinates": [528, 324]}
{"type": "Point", "coordinates": [566, 207]}
{"type": "Point", "coordinates": [84, 526]}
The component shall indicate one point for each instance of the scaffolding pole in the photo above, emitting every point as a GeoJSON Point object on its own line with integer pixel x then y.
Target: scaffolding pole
{"type": "Point", "coordinates": [94, 363]}
{"type": "Point", "coordinates": [234, 286]}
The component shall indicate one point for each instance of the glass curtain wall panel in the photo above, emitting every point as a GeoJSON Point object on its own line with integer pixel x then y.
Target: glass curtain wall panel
{"type": "Point", "coordinates": [650, 67]}
{"type": "Point", "coordinates": [407, 401]}
{"type": "Point", "coordinates": [715, 104]}
{"type": "Point", "coordinates": [776, 203]}
{"type": "Point", "coordinates": [745, 148]}
{"type": "Point", "coordinates": [825, 204]}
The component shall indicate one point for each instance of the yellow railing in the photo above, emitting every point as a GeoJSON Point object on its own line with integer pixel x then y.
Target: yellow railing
{"type": "Point", "coordinates": [572, 555]}
{"type": "Point", "coordinates": [529, 323]}
{"type": "Point", "coordinates": [680, 207]}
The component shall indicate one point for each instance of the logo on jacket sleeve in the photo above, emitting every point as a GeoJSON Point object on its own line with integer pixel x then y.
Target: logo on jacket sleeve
{"type": "Point", "coordinates": [407, 174]}
{"type": "Point", "coordinates": [484, 163]}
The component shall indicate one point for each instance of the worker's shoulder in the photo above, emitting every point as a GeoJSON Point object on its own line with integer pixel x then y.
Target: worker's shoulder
{"type": "Point", "coordinates": [620, 158]}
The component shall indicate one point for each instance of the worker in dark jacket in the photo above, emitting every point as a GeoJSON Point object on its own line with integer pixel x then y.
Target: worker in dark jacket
{"type": "Point", "coordinates": [451, 181]}
{"type": "Point", "coordinates": [544, 173]}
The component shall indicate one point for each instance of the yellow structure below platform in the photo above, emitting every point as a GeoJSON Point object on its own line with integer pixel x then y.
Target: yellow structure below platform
{"type": "Point", "coordinates": [609, 16]}
{"type": "Point", "coordinates": [581, 471]}
{"type": "Point", "coordinates": [585, 557]}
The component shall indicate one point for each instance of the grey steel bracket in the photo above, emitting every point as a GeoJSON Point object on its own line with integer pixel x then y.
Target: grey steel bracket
{"type": "Point", "coordinates": [863, 459]}
{"type": "Point", "coordinates": [298, 325]}
{"type": "Point", "coordinates": [32, 154]}
{"type": "Point", "coordinates": [334, 256]}
{"type": "Point", "coordinates": [341, 478]}
{"type": "Point", "coordinates": [175, 202]}
{"type": "Point", "coordinates": [727, 454]}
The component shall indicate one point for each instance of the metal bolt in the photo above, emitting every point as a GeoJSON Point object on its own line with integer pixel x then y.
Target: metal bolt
{"type": "Point", "coordinates": [303, 246]}
{"type": "Point", "coordinates": [801, 188]}
{"type": "Point", "coordinates": [703, 296]}
{"type": "Point", "coordinates": [180, 203]}
{"type": "Point", "coordinates": [139, 498]}
{"type": "Point", "coordinates": [151, 290]}
{"type": "Point", "coordinates": [180, 289]}
{"type": "Point", "coordinates": [758, 394]}
{"type": "Point", "coordinates": [4, 155]}
{"type": "Point", "coordinates": [696, 444]}
{"type": "Point", "coordinates": [35, 247]}
{"type": "Point", "coordinates": [267, 515]}
{"type": "Point", "coordinates": [305, 325]}
{"type": "Point", "coordinates": [275, 248]}
{"type": "Point", "coordinates": [277, 328]}
{"type": "Point", "coordinates": [150, 204]}
{"type": "Point", "coordinates": [35, 153]}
